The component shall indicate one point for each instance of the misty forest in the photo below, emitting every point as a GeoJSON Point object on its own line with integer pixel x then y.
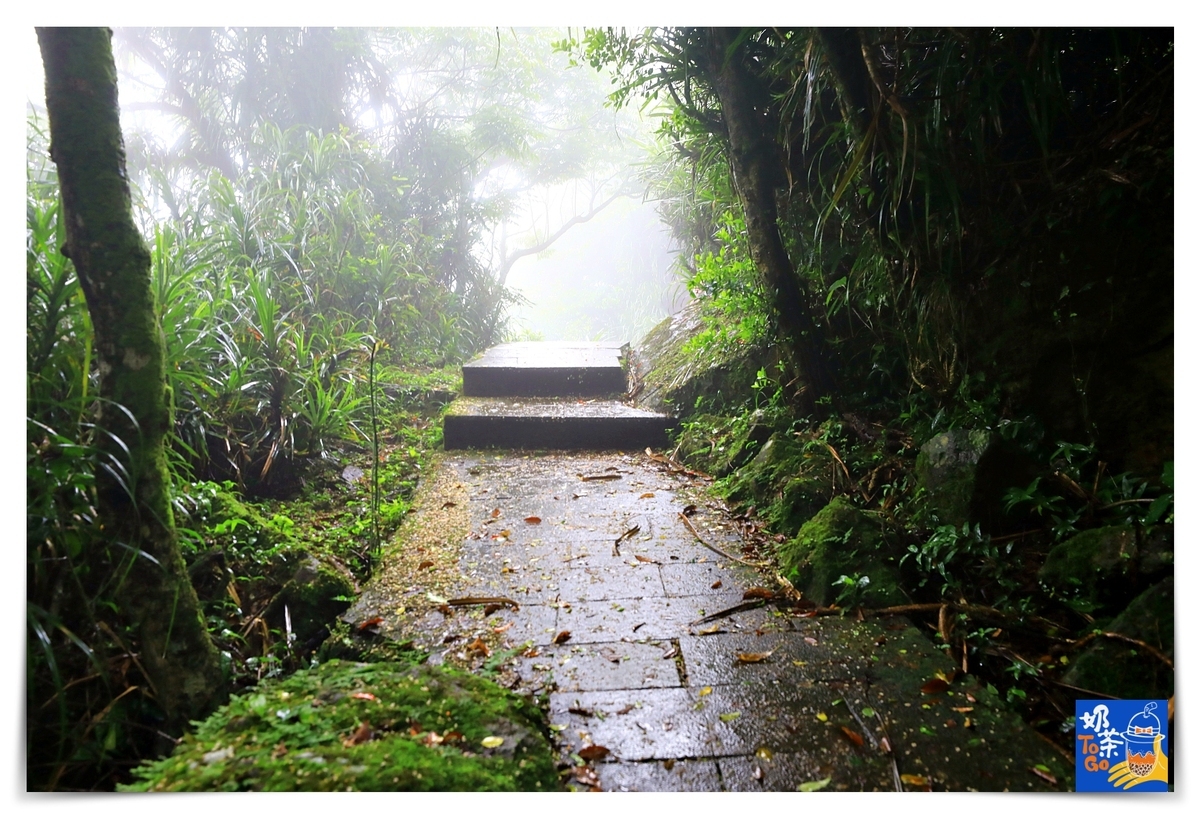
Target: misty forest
{"type": "Point", "coordinates": [900, 300]}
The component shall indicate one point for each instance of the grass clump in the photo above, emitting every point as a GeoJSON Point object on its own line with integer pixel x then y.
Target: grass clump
{"type": "Point", "coordinates": [350, 726]}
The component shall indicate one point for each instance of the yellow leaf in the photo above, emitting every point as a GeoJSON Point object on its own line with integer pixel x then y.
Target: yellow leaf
{"type": "Point", "coordinates": [492, 741]}
{"type": "Point", "coordinates": [704, 691]}
{"type": "Point", "coordinates": [822, 717]}
{"type": "Point", "coordinates": [751, 658]}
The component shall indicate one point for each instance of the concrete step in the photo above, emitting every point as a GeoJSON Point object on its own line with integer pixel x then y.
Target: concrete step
{"type": "Point", "coordinates": [533, 423]}
{"type": "Point", "coordinates": [547, 369]}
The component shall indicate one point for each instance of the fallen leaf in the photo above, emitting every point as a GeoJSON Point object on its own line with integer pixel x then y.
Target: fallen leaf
{"type": "Point", "coordinates": [503, 535]}
{"type": "Point", "coordinates": [689, 509]}
{"type": "Point", "coordinates": [478, 646]}
{"type": "Point", "coordinates": [962, 709]}
{"type": "Point", "coordinates": [625, 710]}
{"type": "Point", "coordinates": [363, 734]}
{"type": "Point", "coordinates": [495, 513]}
{"type": "Point", "coordinates": [711, 629]}
{"type": "Point", "coordinates": [423, 564]}
{"type": "Point", "coordinates": [727, 717]}
{"type": "Point", "coordinates": [757, 773]}
{"type": "Point", "coordinates": [491, 608]}
{"type": "Point", "coordinates": [369, 623]}
{"type": "Point", "coordinates": [705, 691]}
{"type": "Point", "coordinates": [810, 640]}
{"type": "Point", "coordinates": [449, 504]}
{"type": "Point", "coordinates": [611, 655]}
{"type": "Point", "coordinates": [1043, 772]}
{"type": "Point", "coordinates": [432, 739]}
{"type": "Point", "coordinates": [822, 717]}
{"type": "Point", "coordinates": [492, 741]}
{"type": "Point", "coordinates": [813, 786]}
{"type": "Point", "coordinates": [758, 593]}
{"type": "Point", "coordinates": [646, 496]}
{"type": "Point", "coordinates": [640, 558]}
{"type": "Point", "coordinates": [934, 686]}
{"type": "Point", "coordinates": [971, 699]}
{"type": "Point", "coordinates": [716, 585]}
{"type": "Point", "coordinates": [585, 775]}
{"type": "Point", "coordinates": [594, 752]}
{"type": "Point", "coordinates": [563, 636]}
{"type": "Point", "coordinates": [581, 711]}
{"type": "Point", "coordinates": [752, 658]}
{"type": "Point", "coordinates": [533, 520]}
{"type": "Point", "coordinates": [855, 738]}
{"type": "Point", "coordinates": [370, 697]}
{"type": "Point", "coordinates": [502, 628]}
{"type": "Point", "coordinates": [915, 780]}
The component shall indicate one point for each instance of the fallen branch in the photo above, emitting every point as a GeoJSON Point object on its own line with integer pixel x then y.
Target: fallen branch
{"type": "Point", "coordinates": [741, 606]}
{"type": "Point", "coordinates": [1120, 637]}
{"type": "Point", "coordinates": [696, 534]}
{"type": "Point", "coordinates": [464, 601]}
{"type": "Point", "coordinates": [977, 611]}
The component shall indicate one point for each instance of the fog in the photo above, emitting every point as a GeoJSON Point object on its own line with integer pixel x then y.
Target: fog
{"type": "Point", "coordinates": [607, 278]}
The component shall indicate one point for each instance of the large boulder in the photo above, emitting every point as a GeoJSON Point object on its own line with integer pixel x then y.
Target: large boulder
{"type": "Point", "coordinates": [317, 593]}
{"type": "Point", "coordinates": [1108, 565]}
{"type": "Point", "coordinates": [1121, 669]}
{"type": "Point", "coordinates": [947, 468]}
{"type": "Point", "coordinates": [667, 376]}
{"type": "Point", "coordinates": [787, 483]}
{"type": "Point", "coordinates": [841, 541]}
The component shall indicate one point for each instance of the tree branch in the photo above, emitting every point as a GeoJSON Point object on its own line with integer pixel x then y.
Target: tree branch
{"type": "Point", "coordinates": [509, 261]}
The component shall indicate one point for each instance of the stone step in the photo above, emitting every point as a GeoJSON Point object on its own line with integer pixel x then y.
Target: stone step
{"type": "Point", "coordinates": [547, 369]}
{"type": "Point", "coordinates": [533, 423]}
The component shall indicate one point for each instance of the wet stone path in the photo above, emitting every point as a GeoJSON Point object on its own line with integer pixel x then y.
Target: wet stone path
{"type": "Point", "coordinates": [641, 697]}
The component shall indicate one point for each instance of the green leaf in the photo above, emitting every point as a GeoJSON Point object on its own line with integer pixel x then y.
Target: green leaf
{"type": "Point", "coordinates": [727, 717]}
{"type": "Point", "coordinates": [813, 786]}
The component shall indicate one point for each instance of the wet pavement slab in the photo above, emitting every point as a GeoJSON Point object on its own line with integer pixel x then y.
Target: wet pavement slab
{"type": "Point", "coordinates": [611, 638]}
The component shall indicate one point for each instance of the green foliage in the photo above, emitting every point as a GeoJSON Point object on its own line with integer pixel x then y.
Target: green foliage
{"type": "Point", "coordinates": [346, 726]}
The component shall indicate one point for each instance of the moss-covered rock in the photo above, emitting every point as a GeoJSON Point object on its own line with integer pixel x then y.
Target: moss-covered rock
{"type": "Point", "coordinates": [315, 596]}
{"type": "Point", "coordinates": [841, 541]}
{"type": "Point", "coordinates": [719, 445]}
{"type": "Point", "coordinates": [346, 726]}
{"type": "Point", "coordinates": [1123, 670]}
{"type": "Point", "coordinates": [667, 377]}
{"type": "Point", "coordinates": [1108, 565]}
{"type": "Point", "coordinates": [947, 467]}
{"type": "Point", "coordinates": [788, 483]}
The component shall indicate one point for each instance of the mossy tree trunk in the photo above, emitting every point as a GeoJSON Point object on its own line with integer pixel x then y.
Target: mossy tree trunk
{"type": "Point", "coordinates": [113, 265]}
{"type": "Point", "coordinates": [757, 171]}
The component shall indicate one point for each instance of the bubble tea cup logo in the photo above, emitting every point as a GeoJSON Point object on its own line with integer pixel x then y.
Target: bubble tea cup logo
{"type": "Point", "coordinates": [1108, 759]}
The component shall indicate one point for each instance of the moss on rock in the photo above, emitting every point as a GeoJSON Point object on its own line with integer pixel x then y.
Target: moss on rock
{"type": "Point", "coordinates": [787, 483]}
{"type": "Point", "coordinates": [1122, 670]}
{"type": "Point", "coordinates": [315, 596]}
{"type": "Point", "coordinates": [1107, 565]}
{"type": "Point", "coordinates": [840, 540]}
{"type": "Point", "coordinates": [347, 726]}
{"type": "Point", "coordinates": [946, 469]}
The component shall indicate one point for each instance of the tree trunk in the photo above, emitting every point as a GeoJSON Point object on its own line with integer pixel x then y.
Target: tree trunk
{"type": "Point", "coordinates": [756, 171]}
{"type": "Point", "coordinates": [113, 265]}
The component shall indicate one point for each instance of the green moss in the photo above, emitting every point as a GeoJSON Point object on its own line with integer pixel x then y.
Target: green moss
{"type": "Point", "coordinates": [347, 726]}
{"type": "Point", "coordinates": [315, 595]}
{"type": "Point", "coordinates": [786, 482]}
{"type": "Point", "coordinates": [840, 540]}
{"type": "Point", "coordinates": [1119, 669]}
{"type": "Point", "coordinates": [1106, 565]}
{"type": "Point", "coordinates": [946, 469]}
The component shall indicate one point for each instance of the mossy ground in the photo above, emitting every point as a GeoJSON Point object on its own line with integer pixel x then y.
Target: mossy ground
{"type": "Point", "coordinates": [351, 726]}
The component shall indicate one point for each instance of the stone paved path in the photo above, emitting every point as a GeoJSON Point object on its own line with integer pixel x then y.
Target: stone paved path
{"type": "Point", "coordinates": [670, 701]}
